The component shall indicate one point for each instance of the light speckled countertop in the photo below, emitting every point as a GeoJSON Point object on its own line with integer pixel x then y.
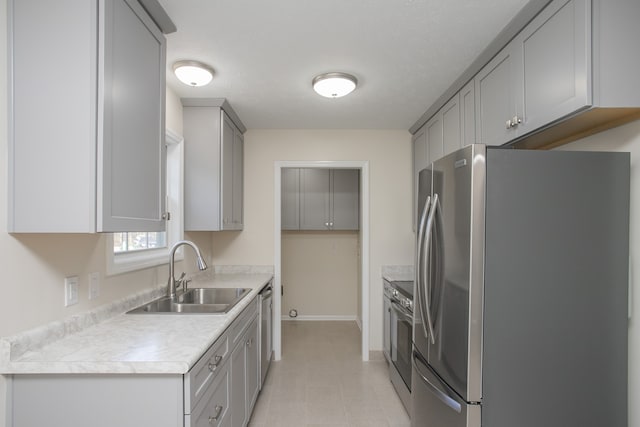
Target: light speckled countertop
{"type": "Point", "coordinates": [128, 343]}
{"type": "Point", "coordinates": [397, 272]}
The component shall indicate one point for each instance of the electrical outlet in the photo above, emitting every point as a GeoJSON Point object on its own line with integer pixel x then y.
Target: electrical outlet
{"type": "Point", "coordinates": [70, 290]}
{"type": "Point", "coordinates": [94, 285]}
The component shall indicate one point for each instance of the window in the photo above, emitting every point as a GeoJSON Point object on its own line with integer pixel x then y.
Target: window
{"type": "Point", "coordinates": [131, 251]}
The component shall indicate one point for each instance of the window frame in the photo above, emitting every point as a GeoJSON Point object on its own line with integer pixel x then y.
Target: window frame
{"type": "Point", "coordinates": [141, 259]}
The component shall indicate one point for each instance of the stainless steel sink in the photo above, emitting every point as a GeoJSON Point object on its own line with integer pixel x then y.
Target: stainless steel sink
{"type": "Point", "coordinates": [195, 301]}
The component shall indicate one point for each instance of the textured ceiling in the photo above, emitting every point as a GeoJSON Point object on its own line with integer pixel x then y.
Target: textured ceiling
{"type": "Point", "coordinates": [405, 54]}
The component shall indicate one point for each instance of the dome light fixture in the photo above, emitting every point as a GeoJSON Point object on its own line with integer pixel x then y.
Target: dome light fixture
{"type": "Point", "coordinates": [334, 85]}
{"type": "Point", "coordinates": [193, 73]}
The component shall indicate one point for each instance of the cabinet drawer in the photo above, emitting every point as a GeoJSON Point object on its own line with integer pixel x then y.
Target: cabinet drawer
{"type": "Point", "coordinates": [213, 408]}
{"type": "Point", "coordinates": [242, 322]}
{"type": "Point", "coordinates": [205, 372]}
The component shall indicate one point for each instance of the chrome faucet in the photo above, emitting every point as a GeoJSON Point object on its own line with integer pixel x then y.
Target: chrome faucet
{"type": "Point", "coordinates": [171, 288]}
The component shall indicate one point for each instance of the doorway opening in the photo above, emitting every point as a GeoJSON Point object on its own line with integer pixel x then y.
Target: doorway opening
{"type": "Point", "coordinates": [362, 316]}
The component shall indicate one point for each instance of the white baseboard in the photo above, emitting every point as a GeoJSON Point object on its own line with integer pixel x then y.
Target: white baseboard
{"type": "Point", "coordinates": [320, 317]}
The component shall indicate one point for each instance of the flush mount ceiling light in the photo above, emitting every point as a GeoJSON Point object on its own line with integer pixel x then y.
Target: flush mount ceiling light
{"type": "Point", "coordinates": [334, 85]}
{"type": "Point", "coordinates": [193, 73]}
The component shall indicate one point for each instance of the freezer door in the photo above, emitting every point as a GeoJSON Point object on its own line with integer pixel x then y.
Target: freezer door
{"type": "Point", "coordinates": [434, 404]}
{"type": "Point", "coordinates": [456, 270]}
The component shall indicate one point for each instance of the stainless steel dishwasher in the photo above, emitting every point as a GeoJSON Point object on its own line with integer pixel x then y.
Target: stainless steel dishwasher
{"type": "Point", "coordinates": [266, 319]}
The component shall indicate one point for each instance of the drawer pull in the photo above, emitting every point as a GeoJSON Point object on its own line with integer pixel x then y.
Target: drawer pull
{"type": "Point", "coordinates": [214, 365]}
{"type": "Point", "coordinates": [217, 415]}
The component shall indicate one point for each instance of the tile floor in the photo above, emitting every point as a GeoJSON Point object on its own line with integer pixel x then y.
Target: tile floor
{"type": "Point", "coordinates": [321, 381]}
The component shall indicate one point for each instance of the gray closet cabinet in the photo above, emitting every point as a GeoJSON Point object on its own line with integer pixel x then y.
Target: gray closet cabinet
{"type": "Point", "coordinates": [86, 135]}
{"type": "Point", "coordinates": [320, 199]}
{"type": "Point", "coordinates": [290, 199]}
{"type": "Point", "coordinates": [541, 76]}
{"type": "Point", "coordinates": [214, 165]}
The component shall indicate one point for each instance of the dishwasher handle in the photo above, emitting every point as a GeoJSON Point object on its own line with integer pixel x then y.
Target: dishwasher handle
{"type": "Point", "coordinates": [267, 292]}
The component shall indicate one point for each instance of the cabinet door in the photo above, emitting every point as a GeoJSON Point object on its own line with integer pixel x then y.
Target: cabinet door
{"type": "Point", "coordinates": [238, 384]}
{"type": "Point", "coordinates": [228, 136]}
{"type": "Point", "coordinates": [434, 137]}
{"type": "Point", "coordinates": [238, 180]}
{"type": "Point", "coordinates": [556, 67]}
{"type": "Point", "coordinates": [468, 114]}
{"type": "Point", "coordinates": [496, 89]}
{"type": "Point", "coordinates": [314, 199]}
{"type": "Point", "coordinates": [451, 140]}
{"type": "Point", "coordinates": [290, 199]}
{"type": "Point", "coordinates": [420, 161]}
{"type": "Point", "coordinates": [345, 199]}
{"type": "Point", "coordinates": [252, 342]}
{"type": "Point", "coordinates": [131, 99]}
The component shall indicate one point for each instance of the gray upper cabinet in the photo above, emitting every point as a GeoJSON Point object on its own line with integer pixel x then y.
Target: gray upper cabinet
{"type": "Point", "coordinates": [541, 76]}
{"type": "Point", "coordinates": [95, 159]}
{"type": "Point", "coordinates": [232, 175]}
{"type": "Point", "coordinates": [290, 199]}
{"type": "Point", "coordinates": [320, 199]}
{"type": "Point", "coordinates": [495, 95]}
{"type": "Point", "coordinates": [420, 161]}
{"type": "Point", "coordinates": [451, 129]}
{"type": "Point", "coordinates": [314, 199]}
{"type": "Point", "coordinates": [468, 114]}
{"type": "Point", "coordinates": [214, 163]}
{"type": "Point", "coordinates": [559, 71]}
{"type": "Point", "coordinates": [345, 200]}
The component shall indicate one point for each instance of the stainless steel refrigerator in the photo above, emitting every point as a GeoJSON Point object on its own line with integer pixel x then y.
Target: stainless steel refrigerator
{"type": "Point", "coordinates": [521, 308]}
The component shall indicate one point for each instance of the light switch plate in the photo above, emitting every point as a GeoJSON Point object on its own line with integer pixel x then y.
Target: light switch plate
{"type": "Point", "coordinates": [70, 290]}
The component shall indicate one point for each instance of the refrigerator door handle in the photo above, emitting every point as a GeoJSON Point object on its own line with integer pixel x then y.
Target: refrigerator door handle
{"type": "Point", "coordinates": [426, 275]}
{"type": "Point", "coordinates": [442, 395]}
{"type": "Point", "coordinates": [438, 286]}
{"type": "Point", "coordinates": [418, 263]}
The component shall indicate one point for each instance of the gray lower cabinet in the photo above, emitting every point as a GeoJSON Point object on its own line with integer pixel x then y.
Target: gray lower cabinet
{"type": "Point", "coordinates": [95, 160]}
{"type": "Point", "coordinates": [220, 390]}
{"type": "Point", "coordinates": [320, 199]}
{"type": "Point", "coordinates": [214, 165]}
{"type": "Point", "coordinates": [246, 375]}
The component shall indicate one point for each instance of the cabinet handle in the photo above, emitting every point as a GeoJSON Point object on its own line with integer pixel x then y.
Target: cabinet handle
{"type": "Point", "coordinates": [326, 224]}
{"type": "Point", "coordinates": [217, 415]}
{"type": "Point", "coordinates": [250, 342]}
{"type": "Point", "coordinates": [513, 122]}
{"type": "Point", "coordinates": [214, 365]}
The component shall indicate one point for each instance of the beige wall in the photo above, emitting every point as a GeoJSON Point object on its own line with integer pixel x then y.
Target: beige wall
{"type": "Point", "coordinates": [626, 138]}
{"type": "Point", "coordinates": [389, 155]}
{"type": "Point", "coordinates": [320, 273]}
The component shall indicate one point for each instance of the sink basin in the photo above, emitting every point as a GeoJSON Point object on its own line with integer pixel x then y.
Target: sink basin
{"type": "Point", "coordinates": [212, 295]}
{"type": "Point", "coordinates": [195, 301]}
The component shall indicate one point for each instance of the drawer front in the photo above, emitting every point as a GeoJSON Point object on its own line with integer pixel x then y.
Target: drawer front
{"type": "Point", "coordinates": [213, 408]}
{"type": "Point", "coordinates": [205, 371]}
{"type": "Point", "coordinates": [242, 322]}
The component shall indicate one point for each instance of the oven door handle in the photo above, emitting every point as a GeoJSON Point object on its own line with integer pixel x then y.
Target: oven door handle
{"type": "Point", "coordinates": [401, 312]}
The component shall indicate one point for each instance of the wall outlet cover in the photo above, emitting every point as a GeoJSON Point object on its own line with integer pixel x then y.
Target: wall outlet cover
{"type": "Point", "coordinates": [70, 290]}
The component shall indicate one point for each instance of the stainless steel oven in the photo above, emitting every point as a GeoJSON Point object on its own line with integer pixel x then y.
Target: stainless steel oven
{"type": "Point", "coordinates": [398, 335]}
